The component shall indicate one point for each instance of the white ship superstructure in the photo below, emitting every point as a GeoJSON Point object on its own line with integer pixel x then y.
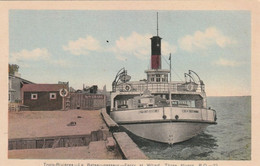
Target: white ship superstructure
{"type": "Point", "coordinates": [158, 109]}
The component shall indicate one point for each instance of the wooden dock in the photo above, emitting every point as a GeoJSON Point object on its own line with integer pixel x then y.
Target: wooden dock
{"type": "Point", "coordinates": [128, 148]}
{"type": "Point", "coordinates": [49, 135]}
{"type": "Point", "coordinates": [112, 125]}
{"type": "Point", "coordinates": [37, 134]}
{"type": "Point", "coordinates": [95, 150]}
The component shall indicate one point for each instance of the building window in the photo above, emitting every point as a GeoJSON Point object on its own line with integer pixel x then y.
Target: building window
{"type": "Point", "coordinates": [152, 79]}
{"type": "Point", "coordinates": [34, 96]}
{"type": "Point", "coordinates": [53, 96]}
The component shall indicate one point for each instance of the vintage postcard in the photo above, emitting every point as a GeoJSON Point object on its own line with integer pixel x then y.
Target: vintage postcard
{"type": "Point", "coordinates": [129, 83]}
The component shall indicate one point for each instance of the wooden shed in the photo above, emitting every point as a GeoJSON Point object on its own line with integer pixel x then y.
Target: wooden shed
{"type": "Point", "coordinates": [87, 101]}
{"type": "Point", "coordinates": [40, 97]}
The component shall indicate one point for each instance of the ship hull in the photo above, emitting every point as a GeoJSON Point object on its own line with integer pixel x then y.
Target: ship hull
{"type": "Point", "coordinates": [166, 125]}
{"type": "Point", "coordinates": [169, 132]}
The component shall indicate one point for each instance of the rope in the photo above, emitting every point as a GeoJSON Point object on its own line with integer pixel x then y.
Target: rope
{"type": "Point", "coordinates": [172, 69]}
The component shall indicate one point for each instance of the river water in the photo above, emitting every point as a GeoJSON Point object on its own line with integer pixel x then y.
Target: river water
{"type": "Point", "coordinates": [230, 139]}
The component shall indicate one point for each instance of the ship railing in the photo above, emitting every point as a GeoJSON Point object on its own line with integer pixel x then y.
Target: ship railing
{"type": "Point", "coordinates": [160, 87]}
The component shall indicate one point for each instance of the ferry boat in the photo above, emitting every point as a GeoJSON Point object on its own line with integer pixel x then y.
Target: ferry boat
{"type": "Point", "coordinates": [157, 108]}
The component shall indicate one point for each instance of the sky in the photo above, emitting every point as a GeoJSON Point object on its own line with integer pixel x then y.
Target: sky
{"type": "Point", "coordinates": [90, 47]}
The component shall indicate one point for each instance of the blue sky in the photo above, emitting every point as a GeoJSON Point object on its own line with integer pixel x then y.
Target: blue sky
{"type": "Point", "coordinates": [51, 46]}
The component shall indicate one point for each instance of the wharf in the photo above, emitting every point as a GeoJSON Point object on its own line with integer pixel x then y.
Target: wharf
{"type": "Point", "coordinates": [112, 125]}
{"type": "Point", "coordinates": [72, 134]}
{"type": "Point", "coordinates": [127, 147]}
{"type": "Point", "coordinates": [95, 150]}
{"type": "Point", "coordinates": [31, 124]}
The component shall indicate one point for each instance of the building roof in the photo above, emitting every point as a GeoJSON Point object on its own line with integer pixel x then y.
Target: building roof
{"type": "Point", "coordinates": [23, 80]}
{"type": "Point", "coordinates": [42, 87]}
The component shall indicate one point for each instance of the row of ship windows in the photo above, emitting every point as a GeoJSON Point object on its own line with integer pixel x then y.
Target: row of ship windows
{"type": "Point", "coordinates": [158, 77]}
{"type": "Point", "coordinates": [34, 96]}
{"type": "Point", "coordinates": [158, 80]}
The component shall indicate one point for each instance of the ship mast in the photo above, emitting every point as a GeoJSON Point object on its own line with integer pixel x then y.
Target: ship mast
{"type": "Point", "coordinates": [157, 25]}
{"type": "Point", "coordinates": [170, 95]}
